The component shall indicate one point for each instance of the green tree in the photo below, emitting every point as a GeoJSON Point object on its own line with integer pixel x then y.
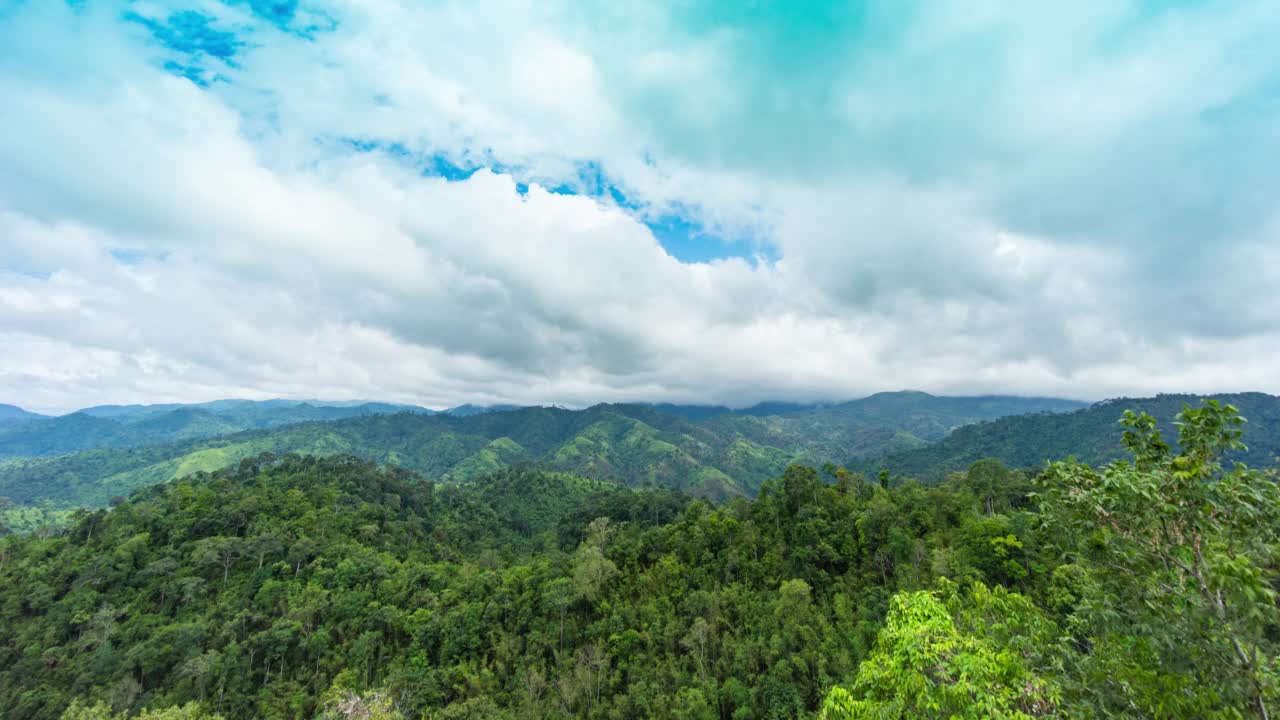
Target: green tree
{"type": "Point", "coordinates": [101, 711]}
{"type": "Point", "coordinates": [986, 479]}
{"type": "Point", "coordinates": [1181, 551]}
{"type": "Point", "coordinates": [370, 705]}
{"type": "Point", "coordinates": [926, 664]}
{"type": "Point", "coordinates": [592, 570]}
{"type": "Point", "coordinates": [220, 551]}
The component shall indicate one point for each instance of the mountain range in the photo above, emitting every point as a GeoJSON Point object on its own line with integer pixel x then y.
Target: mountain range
{"type": "Point", "coordinates": [27, 434]}
{"type": "Point", "coordinates": [87, 458]}
{"type": "Point", "coordinates": [13, 413]}
{"type": "Point", "coordinates": [1091, 435]}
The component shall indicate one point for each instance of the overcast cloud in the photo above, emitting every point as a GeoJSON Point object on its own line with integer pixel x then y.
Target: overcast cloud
{"type": "Point", "coordinates": [528, 202]}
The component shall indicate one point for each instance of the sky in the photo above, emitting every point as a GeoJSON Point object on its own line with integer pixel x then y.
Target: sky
{"type": "Point", "coordinates": [546, 202]}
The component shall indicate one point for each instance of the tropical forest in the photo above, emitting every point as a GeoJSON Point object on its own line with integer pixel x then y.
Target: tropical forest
{"type": "Point", "coordinates": [298, 584]}
{"type": "Point", "coordinates": [673, 359]}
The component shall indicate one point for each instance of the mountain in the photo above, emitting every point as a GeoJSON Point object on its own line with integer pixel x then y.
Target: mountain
{"type": "Point", "coordinates": [691, 412]}
{"type": "Point", "coordinates": [468, 409]}
{"type": "Point", "coordinates": [703, 412]}
{"type": "Point", "coordinates": [931, 417]}
{"type": "Point", "coordinates": [257, 413]}
{"type": "Point", "coordinates": [635, 445]}
{"type": "Point", "coordinates": [777, 408]}
{"type": "Point", "coordinates": [877, 424]}
{"type": "Point", "coordinates": [13, 413]}
{"type": "Point", "coordinates": [295, 587]}
{"type": "Point", "coordinates": [118, 426]}
{"type": "Point", "coordinates": [131, 411]}
{"type": "Point", "coordinates": [627, 444]}
{"type": "Point", "coordinates": [1091, 435]}
{"type": "Point", "coordinates": [265, 589]}
{"type": "Point", "coordinates": [65, 434]}
{"type": "Point", "coordinates": [386, 519]}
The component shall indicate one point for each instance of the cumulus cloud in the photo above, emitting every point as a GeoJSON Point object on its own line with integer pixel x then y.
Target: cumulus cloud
{"type": "Point", "coordinates": [198, 201]}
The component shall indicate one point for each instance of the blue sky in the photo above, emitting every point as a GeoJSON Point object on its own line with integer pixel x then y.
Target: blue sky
{"type": "Point", "coordinates": [553, 202]}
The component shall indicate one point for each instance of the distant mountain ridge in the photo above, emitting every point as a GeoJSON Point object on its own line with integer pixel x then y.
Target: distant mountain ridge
{"type": "Point", "coordinates": [235, 408]}
{"type": "Point", "coordinates": [637, 445]}
{"type": "Point", "coordinates": [119, 426]}
{"type": "Point", "coordinates": [1090, 434]}
{"type": "Point", "coordinates": [13, 413]}
{"type": "Point", "coordinates": [467, 410]}
{"type": "Point", "coordinates": [24, 434]}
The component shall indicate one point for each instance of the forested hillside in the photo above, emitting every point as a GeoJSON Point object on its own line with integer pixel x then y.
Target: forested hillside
{"type": "Point", "coordinates": [926, 416]}
{"type": "Point", "coordinates": [13, 413]}
{"type": "Point", "coordinates": [300, 587]}
{"type": "Point", "coordinates": [607, 443]}
{"type": "Point", "coordinates": [720, 455]}
{"type": "Point", "coordinates": [119, 426]}
{"type": "Point", "coordinates": [1031, 440]}
{"type": "Point", "coordinates": [878, 424]}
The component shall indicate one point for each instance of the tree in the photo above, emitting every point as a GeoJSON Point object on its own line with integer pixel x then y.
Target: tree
{"type": "Point", "coordinates": [101, 711]}
{"type": "Point", "coordinates": [557, 596]}
{"type": "Point", "coordinates": [220, 551]}
{"type": "Point", "coordinates": [350, 705]}
{"type": "Point", "coordinates": [592, 570]}
{"type": "Point", "coordinates": [263, 545]}
{"type": "Point", "coordinates": [698, 642]}
{"type": "Point", "coordinates": [81, 711]}
{"type": "Point", "coordinates": [1182, 551]}
{"type": "Point", "coordinates": [691, 704]}
{"type": "Point", "coordinates": [926, 664]}
{"type": "Point", "coordinates": [985, 479]}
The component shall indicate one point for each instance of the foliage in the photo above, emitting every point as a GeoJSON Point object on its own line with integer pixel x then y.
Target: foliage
{"type": "Point", "coordinates": [1030, 440]}
{"type": "Point", "coordinates": [102, 711]}
{"type": "Point", "coordinates": [119, 426]}
{"type": "Point", "coordinates": [41, 519]}
{"type": "Point", "coordinates": [721, 455]}
{"type": "Point", "coordinates": [258, 590]}
{"type": "Point", "coordinates": [1180, 558]}
{"type": "Point", "coordinates": [292, 587]}
{"type": "Point", "coordinates": [928, 665]}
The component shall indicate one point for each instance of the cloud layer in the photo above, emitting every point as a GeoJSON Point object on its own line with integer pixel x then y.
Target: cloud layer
{"type": "Point", "coordinates": [523, 202]}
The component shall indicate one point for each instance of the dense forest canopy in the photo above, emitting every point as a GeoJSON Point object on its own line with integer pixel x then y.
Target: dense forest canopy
{"type": "Point", "coordinates": [300, 586]}
{"type": "Point", "coordinates": [1028, 440]}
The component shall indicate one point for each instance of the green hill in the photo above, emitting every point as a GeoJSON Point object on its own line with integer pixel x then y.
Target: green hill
{"type": "Point", "coordinates": [875, 425]}
{"type": "Point", "coordinates": [296, 587]}
{"type": "Point", "coordinates": [258, 413]}
{"type": "Point", "coordinates": [1090, 435]}
{"type": "Point", "coordinates": [15, 414]}
{"type": "Point", "coordinates": [605, 442]}
{"type": "Point", "coordinates": [931, 417]}
{"type": "Point", "coordinates": [119, 426]}
{"type": "Point", "coordinates": [636, 445]}
{"type": "Point", "coordinates": [263, 589]}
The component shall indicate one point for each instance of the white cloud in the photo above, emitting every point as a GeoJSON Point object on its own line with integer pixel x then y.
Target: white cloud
{"type": "Point", "coordinates": [990, 230]}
